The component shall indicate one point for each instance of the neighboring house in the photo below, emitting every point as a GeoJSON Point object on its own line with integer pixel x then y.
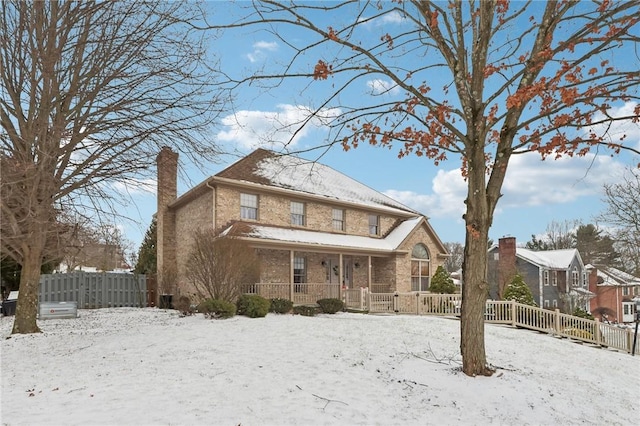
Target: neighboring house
{"type": "Point", "coordinates": [309, 224]}
{"type": "Point", "coordinates": [615, 294]}
{"type": "Point", "coordinates": [557, 278]}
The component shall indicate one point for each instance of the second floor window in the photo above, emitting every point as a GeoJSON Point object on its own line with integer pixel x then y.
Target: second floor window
{"type": "Point", "coordinates": [546, 277]}
{"type": "Point", "coordinates": [575, 278]}
{"type": "Point", "coordinates": [297, 213]}
{"type": "Point", "coordinates": [338, 219]}
{"type": "Point", "coordinates": [374, 224]}
{"type": "Point", "coordinates": [554, 278]}
{"type": "Point", "coordinates": [249, 206]}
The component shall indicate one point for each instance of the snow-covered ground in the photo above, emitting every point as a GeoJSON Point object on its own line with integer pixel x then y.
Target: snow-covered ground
{"type": "Point", "coordinates": [148, 366]}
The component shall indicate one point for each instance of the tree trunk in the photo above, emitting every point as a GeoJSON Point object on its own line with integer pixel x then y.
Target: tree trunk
{"type": "Point", "coordinates": [27, 306]}
{"type": "Point", "coordinates": [474, 270]}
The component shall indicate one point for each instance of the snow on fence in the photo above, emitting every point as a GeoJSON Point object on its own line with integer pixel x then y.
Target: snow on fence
{"type": "Point", "coordinates": [496, 312]}
{"type": "Point", "coordinates": [94, 289]}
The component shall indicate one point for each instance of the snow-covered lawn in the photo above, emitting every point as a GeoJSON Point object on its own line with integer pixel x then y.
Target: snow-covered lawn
{"type": "Point", "coordinates": [132, 366]}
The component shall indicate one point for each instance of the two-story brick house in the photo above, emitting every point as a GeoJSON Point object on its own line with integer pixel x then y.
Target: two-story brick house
{"type": "Point", "coordinates": [616, 293]}
{"type": "Point", "coordinates": [309, 224]}
{"type": "Point", "coordinates": [556, 278]}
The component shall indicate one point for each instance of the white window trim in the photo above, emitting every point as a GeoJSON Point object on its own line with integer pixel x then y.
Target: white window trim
{"type": "Point", "coordinates": [302, 216]}
{"type": "Point", "coordinates": [255, 208]}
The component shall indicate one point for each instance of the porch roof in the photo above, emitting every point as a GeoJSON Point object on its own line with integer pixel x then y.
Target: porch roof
{"type": "Point", "coordinates": [326, 240]}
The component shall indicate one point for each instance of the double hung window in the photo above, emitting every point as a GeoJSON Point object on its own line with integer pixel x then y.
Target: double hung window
{"type": "Point", "coordinates": [249, 206]}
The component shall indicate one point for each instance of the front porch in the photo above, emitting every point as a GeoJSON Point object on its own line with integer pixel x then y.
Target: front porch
{"type": "Point", "coordinates": [310, 293]}
{"type": "Point", "coordinates": [378, 299]}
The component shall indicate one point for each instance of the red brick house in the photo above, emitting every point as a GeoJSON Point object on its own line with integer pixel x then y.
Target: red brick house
{"type": "Point", "coordinates": [310, 225]}
{"type": "Point", "coordinates": [615, 294]}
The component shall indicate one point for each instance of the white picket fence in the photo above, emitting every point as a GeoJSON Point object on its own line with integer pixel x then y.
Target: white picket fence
{"type": "Point", "coordinates": [497, 312]}
{"type": "Point", "coordinates": [94, 289]}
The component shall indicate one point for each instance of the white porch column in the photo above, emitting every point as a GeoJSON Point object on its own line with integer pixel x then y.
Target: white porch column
{"type": "Point", "coordinates": [340, 275]}
{"type": "Point", "coordinates": [369, 273]}
{"type": "Point", "coordinates": [291, 273]}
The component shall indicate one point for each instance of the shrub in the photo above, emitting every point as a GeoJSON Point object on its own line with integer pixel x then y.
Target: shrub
{"type": "Point", "coordinates": [330, 306]}
{"type": "Point", "coordinates": [582, 314]}
{"type": "Point", "coordinates": [253, 306]}
{"type": "Point", "coordinates": [519, 291]}
{"type": "Point", "coordinates": [183, 305]}
{"type": "Point", "coordinates": [576, 332]}
{"type": "Point", "coordinates": [307, 311]}
{"type": "Point", "coordinates": [281, 306]}
{"type": "Point", "coordinates": [217, 309]}
{"type": "Point", "coordinates": [441, 282]}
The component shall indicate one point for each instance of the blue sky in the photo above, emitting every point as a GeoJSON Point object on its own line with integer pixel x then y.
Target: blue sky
{"type": "Point", "coordinates": [535, 192]}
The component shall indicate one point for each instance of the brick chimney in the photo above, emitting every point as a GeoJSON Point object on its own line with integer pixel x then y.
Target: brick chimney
{"type": "Point", "coordinates": [506, 263]}
{"type": "Point", "coordinates": [167, 163]}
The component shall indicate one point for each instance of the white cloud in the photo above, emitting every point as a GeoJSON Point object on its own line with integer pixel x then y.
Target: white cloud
{"type": "Point", "coordinates": [533, 182]}
{"type": "Point", "coordinates": [379, 86]}
{"type": "Point", "coordinates": [529, 182]}
{"type": "Point", "coordinates": [285, 126]}
{"type": "Point", "coordinates": [446, 200]}
{"type": "Point", "coordinates": [618, 129]}
{"type": "Point", "coordinates": [394, 17]}
{"type": "Point", "coordinates": [260, 50]}
{"type": "Point", "coordinates": [136, 187]}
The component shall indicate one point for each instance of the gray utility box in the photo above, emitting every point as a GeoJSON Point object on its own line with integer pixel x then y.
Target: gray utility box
{"type": "Point", "coordinates": [55, 310]}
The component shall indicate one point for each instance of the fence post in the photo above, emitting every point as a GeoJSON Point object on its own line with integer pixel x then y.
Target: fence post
{"type": "Point", "coordinates": [417, 303]}
{"type": "Point", "coordinates": [368, 307]}
{"type": "Point", "coordinates": [513, 313]}
{"type": "Point", "coordinates": [556, 320]}
{"type": "Point", "coordinates": [597, 334]}
{"type": "Point", "coordinates": [395, 302]}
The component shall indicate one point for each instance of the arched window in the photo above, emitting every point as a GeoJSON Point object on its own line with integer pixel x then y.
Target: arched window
{"type": "Point", "coordinates": [420, 269]}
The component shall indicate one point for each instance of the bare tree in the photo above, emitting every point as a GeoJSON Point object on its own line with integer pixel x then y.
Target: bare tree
{"type": "Point", "coordinates": [480, 80]}
{"type": "Point", "coordinates": [219, 266]}
{"type": "Point", "coordinates": [102, 246]}
{"type": "Point", "coordinates": [90, 91]}
{"type": "Point", "coordinates": [558, 236]}
{"type": "Point", "coordinates": [623, 213]}
{"type": "Point", "coordinates": [454, 262]}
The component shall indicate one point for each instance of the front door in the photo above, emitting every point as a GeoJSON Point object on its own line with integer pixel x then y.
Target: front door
{"type": "Point", "coordinates": [627, 311]}
{"type": "Point", "coordinates": [333, 272]}
{"type": "Point", "coordinates": [346, 273]}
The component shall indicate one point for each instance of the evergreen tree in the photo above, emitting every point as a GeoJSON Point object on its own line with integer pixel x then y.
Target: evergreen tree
{"type": "Point", "coordinates": [518, 291]}
{"type": "Point", "coordinates": [595, 248]}
{"type": "Point", "coordinates": [441, 282]}
{"type": "Point", "coordinates": [537, 244]}
{"type": "Point", "coordinates": [147, 256]}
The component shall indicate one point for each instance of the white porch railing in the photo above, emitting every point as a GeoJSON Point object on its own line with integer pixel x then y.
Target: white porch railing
{"type": "Point", "coordinates": [299, 293]}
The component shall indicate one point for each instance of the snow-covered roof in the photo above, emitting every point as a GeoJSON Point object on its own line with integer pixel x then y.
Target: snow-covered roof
{"type": "Point", "coordinates": [616, 277]}
{"type": "Point", "coordinates": [581, 291]}
{"type": "Point", "coordinates": [353, 242]}
{"type": "Point", "coordinates": [293, 173]}
{"type": "Point", "coordinates": [556, 259]}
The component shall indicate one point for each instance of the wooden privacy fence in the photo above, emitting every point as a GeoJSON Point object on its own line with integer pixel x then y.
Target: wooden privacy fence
{"type": "Point", "coordinates": [94, 289]}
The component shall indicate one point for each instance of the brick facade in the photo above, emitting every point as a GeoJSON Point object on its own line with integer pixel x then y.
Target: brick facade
{"type": "Point", "coordinates": [216, 203]}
